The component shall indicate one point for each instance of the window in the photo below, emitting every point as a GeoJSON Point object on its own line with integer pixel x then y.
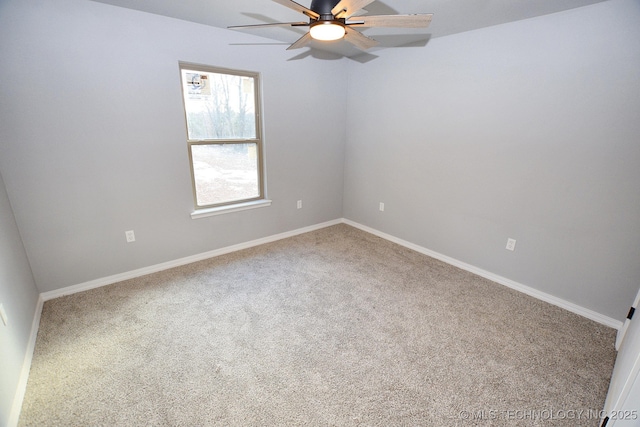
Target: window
{"type": "Point", "coordinates": [222, 111]}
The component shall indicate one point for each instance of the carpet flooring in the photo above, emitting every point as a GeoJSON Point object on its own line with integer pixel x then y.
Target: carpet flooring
{"type": "Point", "coordinates": [335, 327]}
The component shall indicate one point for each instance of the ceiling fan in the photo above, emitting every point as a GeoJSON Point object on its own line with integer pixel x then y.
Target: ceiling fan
{"type": "Point", "coordinates": [335, 19]}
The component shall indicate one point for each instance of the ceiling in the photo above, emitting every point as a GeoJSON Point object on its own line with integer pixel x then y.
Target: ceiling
{"type": "Point", "coordinates": [450, 16]}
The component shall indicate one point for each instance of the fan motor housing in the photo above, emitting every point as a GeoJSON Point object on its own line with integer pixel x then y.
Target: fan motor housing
{"type": "Point", "coordinates": [323, 7]}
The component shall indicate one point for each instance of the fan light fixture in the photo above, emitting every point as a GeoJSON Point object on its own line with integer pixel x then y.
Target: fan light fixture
{"type": "Point", "coordinates": [330, 20]}
{"type": "Point", "coordinates": [327, 31]}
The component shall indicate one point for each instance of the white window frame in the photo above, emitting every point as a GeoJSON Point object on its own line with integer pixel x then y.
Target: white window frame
{"type": "Point", "coordinates": [261, 200]}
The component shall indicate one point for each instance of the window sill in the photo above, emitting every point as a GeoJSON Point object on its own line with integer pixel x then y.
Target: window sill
{"type": "Point", "coordinates": [201, 213]}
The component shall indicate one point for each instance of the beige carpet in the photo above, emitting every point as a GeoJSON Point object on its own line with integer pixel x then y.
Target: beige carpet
{"type": "Point", "coordinates": [333, 327]}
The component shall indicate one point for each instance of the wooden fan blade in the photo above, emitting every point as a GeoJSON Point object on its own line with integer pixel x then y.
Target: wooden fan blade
{"type": "Point", "coordinates": [274, 24]}
{"type": "Point", "coordinates": [359, 40]}
{"type": "Point", "coordinates": [346, 8]}
{"type": "Point", "coordinates": [298, 7]}
{"type": "Point", "coordinates": [405, 21]}
{"type": "Point", "coordinates": [301, 42]}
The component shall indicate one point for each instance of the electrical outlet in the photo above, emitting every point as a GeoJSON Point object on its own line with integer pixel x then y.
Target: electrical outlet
{"type": "Point", "coordinates": [381, 207]}
{"type": "Point", "coordinates": [299, 204]}
{"type": "Point", "coordinates": [131, 237]}
{"type": "Point", "coordinates": [511, 244]}
{"type": "Point", "coordinates": [3, 314]}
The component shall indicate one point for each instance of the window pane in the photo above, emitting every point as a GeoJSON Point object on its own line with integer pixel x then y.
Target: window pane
{"type": "Point", "coordinates": [219, 106]}
{"type": "Point", "coordinates": [225, 172]}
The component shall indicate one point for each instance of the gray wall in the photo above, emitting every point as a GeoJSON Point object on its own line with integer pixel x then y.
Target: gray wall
{"type": "Point", "coordinates": [19, 296]}
{"type": "Point", "coordinates": [93, 140]}
{"type": "Point", "coordinates": [529, 130]}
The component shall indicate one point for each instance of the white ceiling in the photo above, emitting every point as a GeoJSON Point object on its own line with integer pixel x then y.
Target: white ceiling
{"type": "Point", "coordinates": [450, 16]}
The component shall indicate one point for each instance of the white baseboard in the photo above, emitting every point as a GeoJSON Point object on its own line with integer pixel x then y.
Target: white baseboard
{"type": "Point", "coordinates": [97, 283]}
{"type": "Point", "coordinates": [574, 308]}
{"type": "Point", "coordinates": [26, 366]}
